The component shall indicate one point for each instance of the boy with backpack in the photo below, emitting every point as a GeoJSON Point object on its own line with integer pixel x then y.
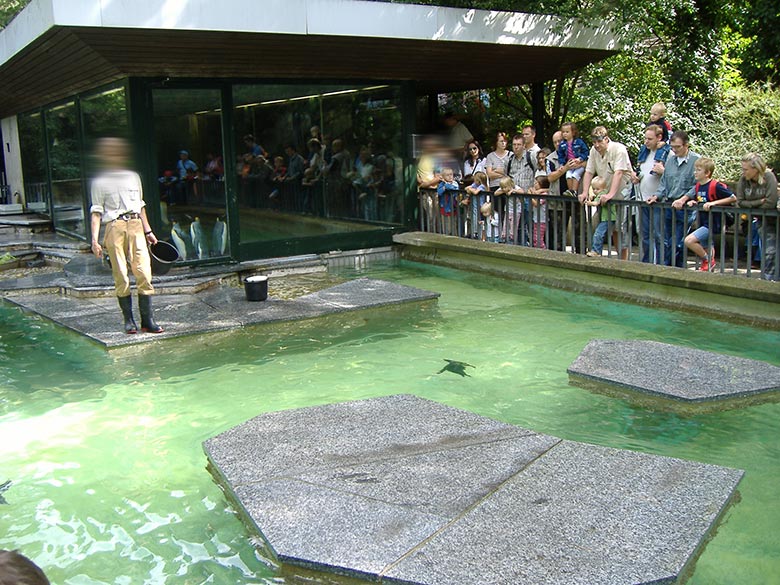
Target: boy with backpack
{"type": "Point", "coordinates": [708, 193]}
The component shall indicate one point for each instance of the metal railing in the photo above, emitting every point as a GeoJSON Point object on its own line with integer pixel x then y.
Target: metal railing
{"type": "Point", "coordinates": [36, 196]}
{"type": "Point", "coordinates": [742, 240]}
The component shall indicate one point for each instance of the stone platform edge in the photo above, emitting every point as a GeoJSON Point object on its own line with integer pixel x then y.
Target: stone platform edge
{"type": "Point", "coordinates": [721, 296]}
{"type": "Point", "coordinates": [657, 401]}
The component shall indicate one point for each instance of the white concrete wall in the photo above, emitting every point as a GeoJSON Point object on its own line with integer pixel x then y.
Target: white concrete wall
{"type": "Point", "coordinates": [13, 155]}
{"type": "Point", "coordinates": [322, 17]}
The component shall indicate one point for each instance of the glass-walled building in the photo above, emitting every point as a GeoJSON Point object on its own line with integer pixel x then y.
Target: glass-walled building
{"type": "Point", "coordinates": [262, 129]}
{"type": "Point", "coordinates": [238, 169]}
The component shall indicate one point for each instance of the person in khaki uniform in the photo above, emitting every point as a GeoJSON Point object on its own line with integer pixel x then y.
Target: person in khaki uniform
{"type": "Point", "coordinates": [118, 205]}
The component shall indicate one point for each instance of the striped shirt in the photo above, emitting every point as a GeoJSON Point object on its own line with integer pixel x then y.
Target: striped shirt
{"type": "Point", "coordinates": [497, 163]}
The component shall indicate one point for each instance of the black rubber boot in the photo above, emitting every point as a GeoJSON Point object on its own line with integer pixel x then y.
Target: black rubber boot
{"type": "Point", "coordinates": [126, 304]}
{"type": "Point", "coordinates": [147, 317]}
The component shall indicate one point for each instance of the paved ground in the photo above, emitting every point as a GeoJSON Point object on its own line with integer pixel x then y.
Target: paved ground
{"type": "Point", "coordinates": [414, 492]}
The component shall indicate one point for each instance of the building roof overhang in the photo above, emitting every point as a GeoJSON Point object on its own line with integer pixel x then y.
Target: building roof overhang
{"type": "Point", "coordinates": [56, 48]}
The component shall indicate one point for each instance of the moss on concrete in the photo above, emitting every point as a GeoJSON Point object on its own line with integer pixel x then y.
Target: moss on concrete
{"type": "Point", "coordinates": [719, 296]}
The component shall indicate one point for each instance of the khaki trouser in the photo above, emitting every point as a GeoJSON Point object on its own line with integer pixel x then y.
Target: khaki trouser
{"type": "Point", "coordinates": [126, 244]}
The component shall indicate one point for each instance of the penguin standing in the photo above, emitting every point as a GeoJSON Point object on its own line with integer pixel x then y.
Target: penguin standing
{"type": "Point", "coordinates": [219, 238]}
{"type": "Point", "coordinates": [179, 239]}
{"type": "Point", "coordinates": [199, 242]}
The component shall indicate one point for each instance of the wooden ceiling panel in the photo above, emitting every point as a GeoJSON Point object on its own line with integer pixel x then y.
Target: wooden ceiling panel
{"type": "Point", "coordinates": [69, 60]}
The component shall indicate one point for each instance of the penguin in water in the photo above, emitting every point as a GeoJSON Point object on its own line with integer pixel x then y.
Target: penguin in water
{"type": "Point", "coordinates": [219, 238]}
{"type": "Point", "coordinates": [456, 367]}
{"type": "Point", "coordinates": [199, 242]}
{"type": "Point", "coordinates": [179, 238]}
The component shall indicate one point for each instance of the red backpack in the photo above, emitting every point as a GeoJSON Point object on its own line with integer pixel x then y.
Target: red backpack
{"type": "Point", "coordinates": [711, 189]}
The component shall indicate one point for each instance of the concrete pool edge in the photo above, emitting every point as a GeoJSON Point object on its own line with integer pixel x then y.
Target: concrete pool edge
{"type": "Point", "coordinates": [718, 296]}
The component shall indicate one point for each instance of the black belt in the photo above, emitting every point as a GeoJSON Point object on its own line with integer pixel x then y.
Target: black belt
{"type": "Point", "coordinates": [128, 216]}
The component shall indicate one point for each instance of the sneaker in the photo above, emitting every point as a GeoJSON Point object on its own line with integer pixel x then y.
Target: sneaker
{"type": "Point", "coordinates": [569, 193]}
{"type": "Point", "coordinates": [707, 265]}
{"type": "Point", "coordinates": [592, 254]}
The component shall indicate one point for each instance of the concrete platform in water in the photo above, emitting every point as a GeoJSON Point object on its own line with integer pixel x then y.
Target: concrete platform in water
{"type": "Point", "coordinates": [404, 490]}
{"type": "Point", "coordinates": [672, 377]}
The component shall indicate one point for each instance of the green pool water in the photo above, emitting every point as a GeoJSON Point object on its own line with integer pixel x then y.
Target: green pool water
{"type": "Point", "coordinates": [104, 449]}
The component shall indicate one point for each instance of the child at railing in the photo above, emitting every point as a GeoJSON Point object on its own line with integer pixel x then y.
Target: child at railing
{"type": "Point", "coordinates": [476, 192]}
{"type": "Point", "coordinates": [539, 210]}
{"type": "Point", "coordinates": [448, 192]}
{"type": "Point", "coordinates": [607, 216]}
{"type": "Point", "coordinates": [708, 193]}
{"type": "Point", "coordinates": [513, 209]}
{"type": "Point", "coordinates": [489, 222]}
{"type": "Point", "coordinates": [572, 148]}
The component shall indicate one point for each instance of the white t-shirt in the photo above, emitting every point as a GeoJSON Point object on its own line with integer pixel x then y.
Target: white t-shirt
{"type": "Point", "coordinates": [648, 186]}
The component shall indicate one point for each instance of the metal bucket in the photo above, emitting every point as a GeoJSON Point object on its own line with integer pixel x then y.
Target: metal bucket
{"type": "Point", "coordinates": [163, 255]}
{"type": "Point", "coordinates": [256, 288]}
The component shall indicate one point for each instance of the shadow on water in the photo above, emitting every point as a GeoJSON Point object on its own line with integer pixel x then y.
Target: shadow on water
{"type": "Point", "coordinates": [260, 344]}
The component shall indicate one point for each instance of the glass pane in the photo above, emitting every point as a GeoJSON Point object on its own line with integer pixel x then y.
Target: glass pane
{"type": "Point", "coordinates": [320, 186]}
{"type": "Point", "coordinates": [188, 150]}
{"type": "Point", "coordinates": [368, 123]}
{"type": "Point", "coordinates": [36, 186]}
{"type": "Point", "coordinates": [104, 114]}
{"type": "Point", "coordinates": [65, 168]}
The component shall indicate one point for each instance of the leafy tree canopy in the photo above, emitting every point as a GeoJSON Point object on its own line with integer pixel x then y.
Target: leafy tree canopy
{"type": "Point", "coordinates": [9, 9]}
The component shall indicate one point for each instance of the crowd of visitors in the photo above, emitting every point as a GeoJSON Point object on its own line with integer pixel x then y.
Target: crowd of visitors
{"type": "Point", "coordinates": [325, 180]}
{"type": "Point", "coordinates": [667, 200]}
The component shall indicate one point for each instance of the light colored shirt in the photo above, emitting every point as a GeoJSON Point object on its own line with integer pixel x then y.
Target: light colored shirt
{"type": "Point", "coordinates": [469, 167]}
{"type": "Point", "coordinates": [648, 185]}
{"type": "Point", "coordinates": [116, 192]}
{"type": "Point", "coordinates": [185, 167]}
{"type": "Point", "coordinates": [497, 163]}
{"type": "Point", "coordinates": [425, 169]}
{"type": "Point", "coordinates": [615, 159]}
{"type": "Point", "coordinates": [459, 135]}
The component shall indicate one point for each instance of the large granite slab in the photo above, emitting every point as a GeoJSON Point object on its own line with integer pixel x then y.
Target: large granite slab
{"type": "Point", "coordinates": [404, 490]}
{"type": "Point", "coordinates": [218, 308]}
{"type": "Point", "coordinates": [682, 375]}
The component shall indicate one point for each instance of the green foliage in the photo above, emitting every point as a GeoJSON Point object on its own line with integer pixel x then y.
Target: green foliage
{"type": "Point", "coordinates": [618, 93]}
{"type": "Point", "coordinates": [760, 60]}
{"type": "Point", "coordinates": [747, 119]}
{"type": "Point", "coordinates": [9, 9]}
